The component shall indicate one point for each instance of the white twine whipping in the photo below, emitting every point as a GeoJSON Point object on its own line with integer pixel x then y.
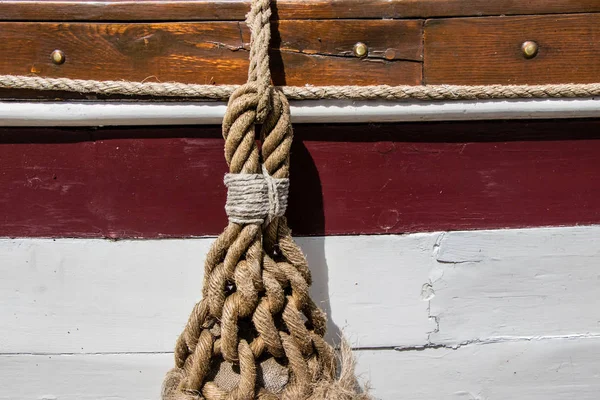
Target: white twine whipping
{"type": "Point", "coordinates": [255, 198]}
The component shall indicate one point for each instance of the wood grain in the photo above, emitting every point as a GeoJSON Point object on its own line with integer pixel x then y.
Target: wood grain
{"type": "Point", "coordinates": [488, 50]}
{"type": "Point", "coordinates": [312, 52]}
{"type": "Point", "coordinates": [385, 39]}
{"type": "Point", "coordinates": [411, 177]}
{"type": "Point", "coordinates": [191, 10]}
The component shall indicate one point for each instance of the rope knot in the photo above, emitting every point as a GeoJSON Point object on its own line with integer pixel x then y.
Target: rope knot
{"type": "Point", "coordinates": [255, 198]}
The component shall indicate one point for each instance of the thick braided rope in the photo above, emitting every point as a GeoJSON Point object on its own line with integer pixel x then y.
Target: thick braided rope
{"type": "Point", "coordinates": [256, 307]}
{"type": "Point", "coordinates": [312, 360]}
{"type": "Point", "coordinates": [234, 259]}
{"type": "Point", "coordinates": [379, 92]}
{"type": "Point", "coordinates": [258, 71]}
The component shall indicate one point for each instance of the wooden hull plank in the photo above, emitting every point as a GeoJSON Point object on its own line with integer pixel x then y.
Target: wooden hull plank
{"type": "Point", "coordinates": [351, 179]}
{"type": "Point", "coordinates": [488, 314]}
{"type": "Point", "coordinates": [443, 289]}
{"type": "Point", "coordinates": [485, 51]}
{"type": "Point", "coordinates": [539, 370]}
{"type": "Point", "coordinates": [305, 52]}
{"type": "Point", "coordinates": [193, 10]}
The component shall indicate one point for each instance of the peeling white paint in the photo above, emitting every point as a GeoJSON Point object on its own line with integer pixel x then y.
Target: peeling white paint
{"type": "Point", "coordinates": [427, 292]}
{"type": "Point", "coordinates": [517, 283]}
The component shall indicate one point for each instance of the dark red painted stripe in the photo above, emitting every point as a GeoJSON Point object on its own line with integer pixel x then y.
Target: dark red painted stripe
{"type": "Point", "coordinates": [346, 179]}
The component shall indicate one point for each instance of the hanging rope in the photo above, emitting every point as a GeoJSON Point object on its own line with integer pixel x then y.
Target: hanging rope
{"type": "Point", "coordinates": [378, 92]}
{"type": "Point", "coordinates": [256, 333]}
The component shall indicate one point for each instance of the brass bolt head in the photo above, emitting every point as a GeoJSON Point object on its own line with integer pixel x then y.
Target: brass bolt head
{"type": "Point", "coordinates": [360, 49]}
{"type": "Point", "coordinates": [529, 49]}
{"type": "Point", "coordinates": [58, 57]}
{"type": "Point", "coordinates": [390, 54]}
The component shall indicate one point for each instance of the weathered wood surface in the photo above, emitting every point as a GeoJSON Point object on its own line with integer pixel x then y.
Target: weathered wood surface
{"type": "Point", "coordinates": [148, 182]}
{"type": "Point", "coordinates": [385, 39]}
{"type": "Point", "coordinates": [514, 320]}
{"type": "Point", "coordinates": [474, 51]}
{"type": "Point", "coordinates": [489, 285]}
{"type": "Point", "coordinates": [317, 52]}
{"type": "Point", "coordinates": [189, 10]}
{"type": "Point", "coordinates": [306, 52]}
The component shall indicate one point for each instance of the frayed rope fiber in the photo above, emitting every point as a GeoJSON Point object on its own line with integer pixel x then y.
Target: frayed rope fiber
{"type": "Point", "coordinates": [256, 333]}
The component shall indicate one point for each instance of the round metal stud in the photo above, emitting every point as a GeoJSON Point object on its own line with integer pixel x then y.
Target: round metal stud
{"type": "Point", "coordinates": [390, 54]}
{"type": "Point", "coordinates": [529, 49]}
{"type": "Point", "coordinates": [360, 49]}
{"type": "Point", "coordinates": [58, 57]}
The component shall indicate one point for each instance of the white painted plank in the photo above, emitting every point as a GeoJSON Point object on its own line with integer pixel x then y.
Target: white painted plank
{"type": "Point", "coordinates": [516, 283]}
{"type": "Point", "coordinates": [83, 377]}
{"type": "Point", "coordinates": [325, 111]}
{"type": "Point", "coordinates": [83, 295]}
{"type": "Point", "coordinates": [557, 369]}
{"type": "Point", "coordinates": [69, 296]}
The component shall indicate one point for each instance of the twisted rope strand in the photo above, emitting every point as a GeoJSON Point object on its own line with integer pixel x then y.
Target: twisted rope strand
{"type": "Point", "coordinates": [259, 72]}
{"type": "Point", "coordinates": [256, 313]}
{"type": "Point", "coordinates": [378, 92]}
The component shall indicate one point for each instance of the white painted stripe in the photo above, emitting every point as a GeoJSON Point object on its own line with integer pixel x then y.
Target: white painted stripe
{"type": "Point", "coordinates": [534, 282]}
{"type": "Point", "coordinates": [87, 295]}
{"type": "Point", "coordinates": [555, 369]}
{"type": "Point", "coordinates": [90, 295]}
{"type": "Point", "coordinates": [326, 111]}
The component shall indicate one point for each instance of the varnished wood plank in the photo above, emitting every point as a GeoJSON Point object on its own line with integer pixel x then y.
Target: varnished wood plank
{"type": "Point", "coordinates": [385, 39]}
{"type": "Point", "coordinates": [296, 69]}
{"type": "Point", "coordinates": [305, 52]}
{"type": "Point", "coordinates": [351, 179]}
{"type": "Point", "coordinates": [189, 10]}
{"type": "Point", "coordinates": [488, 50]}
{"type": "Point", "coordinates": [196, 52]}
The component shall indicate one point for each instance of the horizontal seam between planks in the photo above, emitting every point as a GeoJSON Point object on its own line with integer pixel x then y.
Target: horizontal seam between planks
{"type": "Point", "coordinates": [492, 340]}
